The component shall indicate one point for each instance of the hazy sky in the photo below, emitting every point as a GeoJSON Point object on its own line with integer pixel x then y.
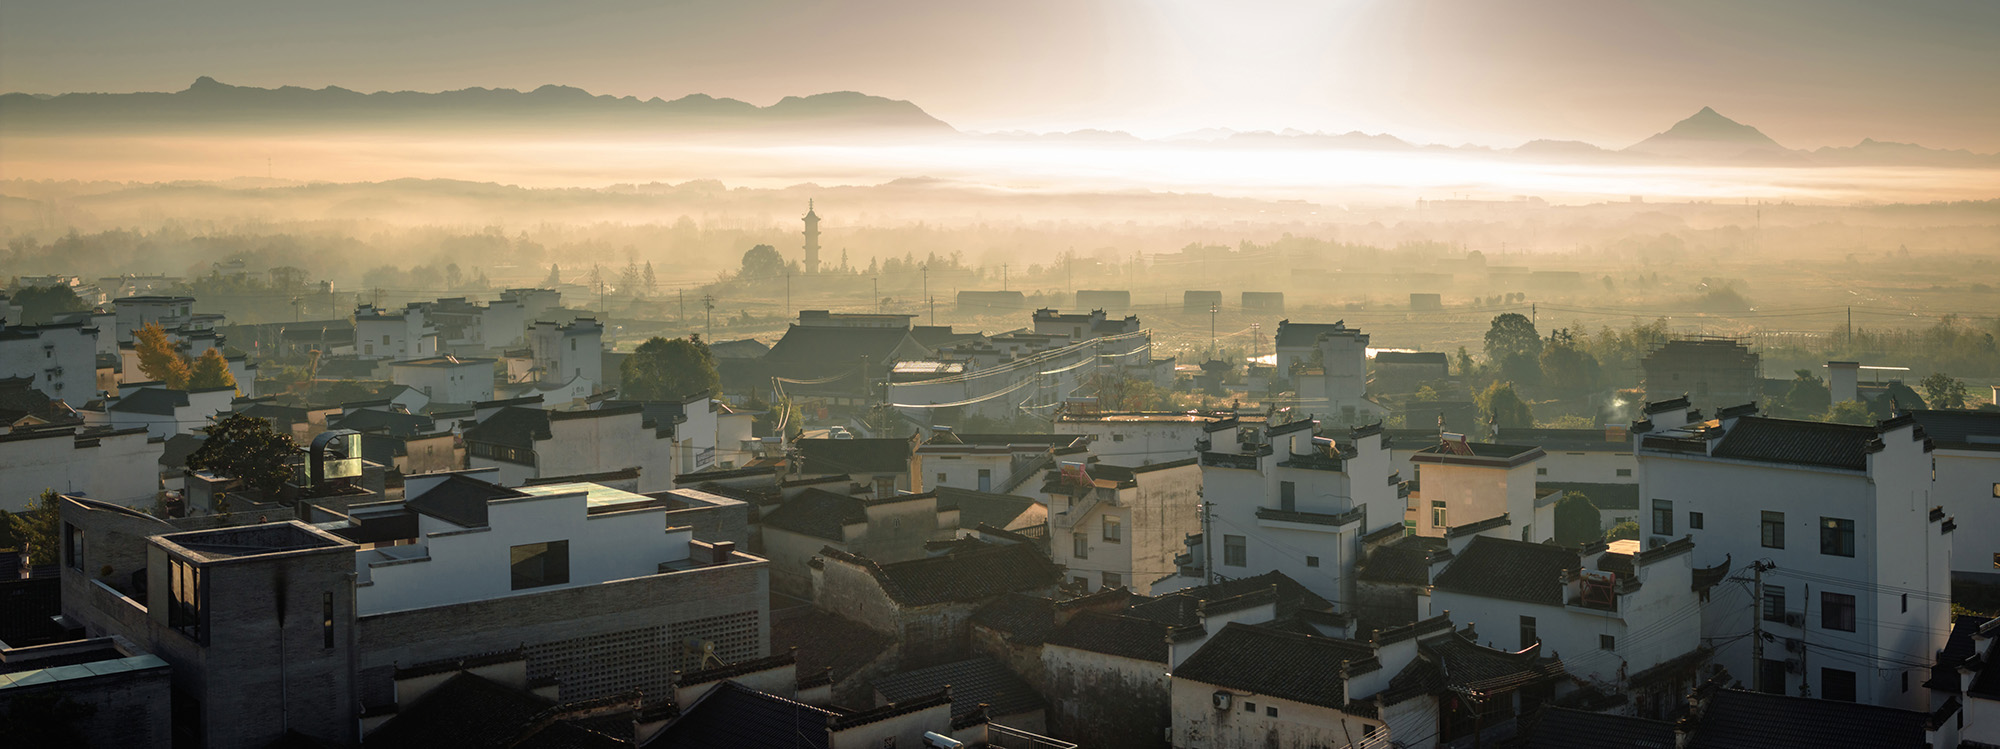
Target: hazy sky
{"type": "Point", "coordinates": [1808, 72]}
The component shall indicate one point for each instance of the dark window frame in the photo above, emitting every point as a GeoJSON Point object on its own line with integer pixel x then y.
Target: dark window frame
{"type": "Point", "coordinates": [1771, 530]}
{"type": "Point", "coordinates": [1663, 517]}
{"type": "Point", "coordinates": [1836, 611]}
{"type": "Point", "coordinates": [1836, 537]}
{"type": "Point", "coordinates": [1235, 551]}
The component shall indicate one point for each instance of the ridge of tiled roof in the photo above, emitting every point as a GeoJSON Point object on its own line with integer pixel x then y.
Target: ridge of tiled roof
{"type": "Point", "coordinates": [1285, 665]}
{"type": "Point", "coordinates": [959, 578]}
{"type": "Point", "coordinates": [1115, 634]}
{"type": "Point", "coordinates": [1810, 443]}
{"type": "Point", "coordinates": [1508, 569]}
{"type": "Point", "coordinates": [891, 710]}
{"type": "Point", "coordinates": [818, 513]}
{"type": "Point", "coordinates": [973, 683]}
{"type": "Point", "coordinates": [1404, 561]}
{"type": "Point", "coordinates": [732, 670]}
{"type": "Point", "coordinates": [734, 715]}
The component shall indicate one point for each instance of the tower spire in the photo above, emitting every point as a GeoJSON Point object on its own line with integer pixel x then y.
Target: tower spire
{"type": "Point", "coordinates": [811, 262]}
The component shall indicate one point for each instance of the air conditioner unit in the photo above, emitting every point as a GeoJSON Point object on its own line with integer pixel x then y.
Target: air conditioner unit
{"type": "Point", "coordinates": [1654, 542]}
{"type": "Point", "coordinates": [1795, 619]}
{"type": "Point", "coordinates": [1222, 700]}
{"type": "Point", "coordinates": [1794, 645]}
{"type": "Point", "coordinates": [1793, 666]}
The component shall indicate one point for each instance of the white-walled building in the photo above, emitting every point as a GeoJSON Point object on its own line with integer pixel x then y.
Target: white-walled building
{"type": "Point", "coordinates": [1081, 327]}
{"type": "Point", "coordinates": [162, 412]}
{"type": "Point", "coordinates": [405, 334]}
{"type": "Point", "coordinates": [1116, 527]}
{"type": "Point", "coordinates": [553, 536]}
{"type": "Point", "coordinates": [530, 443]}
{"type": "Point", "coordinates": [565, 352]}
{"type": "Point", "coordinates": [61, 358]}
{"type": "Point", "coordinates": [169, 312]}
{"type": "Point", "coordinates": [121, 466]}
{"type": "Point", "coordinates": [1622, 623]}
{"type": "Point", "coordinates": [1468, 482]}
{"type": "Point", "coordinates": [447, 379]}
{"type": "Point", "coordinates": [1291, 502]}
{"type": "Point", "coordinates": [1860, 583]}
{"type": "Point", "coordinates": [1966, 483]}
{"type": "Point", "coordinates": [1143, 438]}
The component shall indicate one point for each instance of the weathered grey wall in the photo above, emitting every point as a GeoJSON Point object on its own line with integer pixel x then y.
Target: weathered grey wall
{"type": "Point", "coordinates": [1103, 700]}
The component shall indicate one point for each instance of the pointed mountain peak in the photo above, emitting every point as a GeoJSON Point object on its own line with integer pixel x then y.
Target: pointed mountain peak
{"type": "Point", "coordinates": [206, 83]}
{"type": "Point", "coordinates": [1708, 133]}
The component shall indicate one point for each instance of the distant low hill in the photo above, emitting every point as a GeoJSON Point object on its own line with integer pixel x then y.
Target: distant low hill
{"type": "Point", "coordinates": [210, 104]}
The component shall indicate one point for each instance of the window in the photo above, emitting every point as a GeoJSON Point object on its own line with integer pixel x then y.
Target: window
{"type": "Point", "coordinates": [385, 339]}
{"type": "Point", "coordinates": [1270, 711]}
{"type": "Point", "coordinates": [1906, 682]}
{"type": "Point", "coordinates": [941, 479]}
{"type": "Point", "coordinates": [538, 565]}
{"type": "Point", "coordinates": [1996, 488]}
{"type": "Point", "coordinates": [1438, 515]}
{"type": "Point", "coordinates": [1079, 545]}
{"type": "Point", "coordinates": [1694, 521]}
{"type": "Point", "coordinates": [1607, 642]}
{"type": "Point", "coordinates": [1541, 472]}
{"type": "Point", "coordinates": [1312, 561]}
{"type": "Point", "coordinates": [1774, 530]}
{"type": "Point", "coordinates": [1774, 676]}
{"type": "Point", "coordinates": [1249, 707]}
{"type": "Point", "coordinates": [1114, 580]}
{"type": "Point", "coordinates": [1836, 684]}
{"type": "Point", "coordinates": [1114, 529]}
{"type": "Point", "coordinates": [1624, 471]}
{"type": "Point", "coordinates": [1117, 438]}
{"type": "Point", "coordinates": [1836, 537]}
{"type": "Point", "coordinates": [73, 546]}
{"type": "Point", "coordinates": [885, 487]}
{"type": "Point", "coordinates": [184, 610]}
{"type": "Point", "coordinates": [1836, 611]}
{"type": "Point", "coordinates": [326, 619]}
{"type": "Point", "coordinates": [1080, 582]}
{"type": "Point", "coordinates": [1906, 603]}
{"type": "Point", "coordinates": [572, 344]}
{"type": "Point", "coordinates": [1288, 496]}
{"type": "Point", "coordinates": [1235, 552]}
{"type": "Point", "coordinates": [1663, 517]}
{"type": "Point", "coordinates": [1774, 603]}
{"type": "Point", "coordinates": [1528, 636]}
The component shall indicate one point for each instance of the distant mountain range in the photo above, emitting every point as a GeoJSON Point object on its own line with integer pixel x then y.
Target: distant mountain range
{"type": "Point", "coordinates": [211, 106]}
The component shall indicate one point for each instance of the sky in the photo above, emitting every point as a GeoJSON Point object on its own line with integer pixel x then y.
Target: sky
{"type": "Point", "coordinates": [1809, 73]}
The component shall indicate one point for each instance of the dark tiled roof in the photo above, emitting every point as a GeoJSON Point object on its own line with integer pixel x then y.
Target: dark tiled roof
{"type": "Point", "coordinates": [969, 576]}
{"type": "Point", "coordinates": [1404, 561]}
{"type": "Point", "coordinates": [1306, 333]}
{"type": "Point", "coordinates": [178, 448]}
{"type": "Point", "coordinates": [1603, 496]}
{"type": "Point", "coordinates": [976, 507]}
{"type": "Point", "coordinates": [817, 513]}
{"type": "Point", "coordinates": [1278, 664]}
{"type": "Point", "coordinates": [1738, 719]}
{"type": "Point", "coordinates": [856, 456]}
{"type": "Point", "coordinates": [831, 349]}
{"type": "Point", "coordinates": [824, 641]}
{"type": "Point", "coordinates": [1478, 452]}
{"type": "Point", "coordinates": [1470, 667]}
{"type": "Point", "coordinates": [513, 426]}
{"type": "Point", "coordinates": [1115, 634]}
{"type": "Point", "coordinates": [1411, 357]}
{"type": "Point", "coordinates": [151, 401]}
{"type": "Point", "coordinates": [1957, 648]}
{"type": "Point", "coordinates": [1024, 619]}
{"type": "Point", "coordinates": [1291, 595]}
{"type": "Point", "coordinates": [1563, 728]}
{"type": "Point", "coordinates": [460, 500]}
{"type": "Point", "coordinates": [747, 348]}
{"type": "Point", "coordinates": [972, 682]}
{"type": "Point", "coordinates": [1809, 443]}
{"type": "Point", "coordinates": [737, 716]}
{"type": "Point", "coordinates": [1512, 570]}
{"type": "Point", "coordinates": [468, 710]}
{"type": "Point", "coordinates": [1961, 430]}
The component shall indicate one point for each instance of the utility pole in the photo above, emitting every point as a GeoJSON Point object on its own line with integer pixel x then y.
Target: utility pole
{"type": "Point", "coordinates": [1207, 540]}
{"type": "Point", "coordinates": [1212, 309]}
{"type": "Point", "coordinates": [1757, 628]}
{"type": "Point", "coordinates": [927, 285]}
{"type": "Point", "coordinates": [708, 312]}
{"type": "Point", "coordinates": [1003, 276]}
{"type": "Point", "coordinates": [1850, 328]}
{"type": "Point", "coordinates": [683, 294]}
{"type": "Point", "coordinates": [932, 301]}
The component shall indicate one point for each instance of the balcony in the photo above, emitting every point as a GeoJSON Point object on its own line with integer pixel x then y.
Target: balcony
{"type": "Point", "coordinates": [1267, 517]}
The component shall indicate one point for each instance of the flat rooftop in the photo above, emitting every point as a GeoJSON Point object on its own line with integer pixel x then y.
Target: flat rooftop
{"type": "Point", "coordinates": [597, 497]}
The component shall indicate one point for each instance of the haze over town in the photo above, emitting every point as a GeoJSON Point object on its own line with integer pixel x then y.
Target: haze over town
{"type": "Point", "coordinates": [1049, 374]}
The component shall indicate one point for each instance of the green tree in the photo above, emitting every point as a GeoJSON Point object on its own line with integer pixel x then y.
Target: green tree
{"type": "Point", "coordinates": [1626, 531]}
{"type": "Point", "coordinates": [1942, 391]}
{"type": "Point", "coordinates": [348, 391]}
{"type": "Point", "coordinates": [669, 369]}
{"type": "Point", "coordinates": [1514, 348]}
{"type": "Point", "coordinates": [1502, 407]}
{"type": "Point", "coordinates": [1578, 521]}
{"type": "Point", "coordinates": [1849, 412]}
{"type": "Point", "coordinates": [210, 371]}
{"type": "Point", "coordinates": [762, 261]}
{"type": "Point", "coordinates": [554, 278]}
{"type": "Point", "coordinates": [34, 529]}
{"type": "Point", "coordinates": [159, 358]}
{"type": "Point", "coordinates": [1806, 398]}
{"type": "Point", "coordinates": [40, 304]}
{"type": "Point", "coordinates": [1566, 367]}
{"type": "Point", "coordinates": [246, 447]}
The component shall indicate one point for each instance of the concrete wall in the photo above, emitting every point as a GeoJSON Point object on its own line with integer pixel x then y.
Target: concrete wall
{"type": "Point", "coordinates": [1248, 724]}
{"type": "Point", "coordinates": [1965, 486]}
{"type": "Point", "coordinates": [128, 709]}
{"type": "Point", "coordinates": [598, 444]}
{"type": "Point", "coordinates": [468, 383]}
{"type": "Point", "coordinates": [1106, 700]}
{"type": "Point", "coordinates": [121, 469]}
{"type": "Point", "coordinates": [62, 359]}
{"type": "Point", "coordinates": [1138, 443]}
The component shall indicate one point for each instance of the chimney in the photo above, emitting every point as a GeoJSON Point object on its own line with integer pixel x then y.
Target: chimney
{"type": "Point", "coordinates": [721, 551]}
{"type": "Point", "coordinates": [1843, 380]}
